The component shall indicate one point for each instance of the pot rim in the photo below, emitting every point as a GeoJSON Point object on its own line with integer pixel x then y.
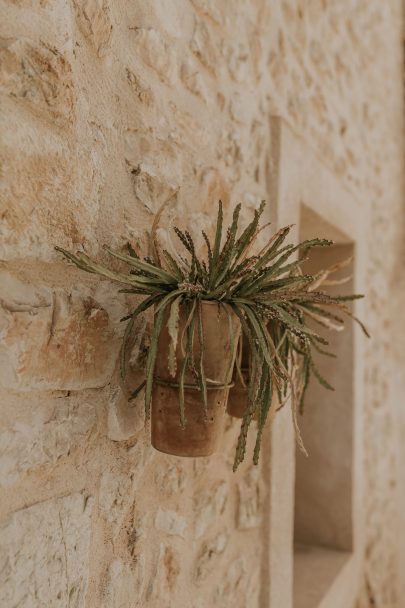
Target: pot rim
{"type": "Point", "coordinates": [203, 301]}
{"type": "Point", "coordinates": [213, 302]}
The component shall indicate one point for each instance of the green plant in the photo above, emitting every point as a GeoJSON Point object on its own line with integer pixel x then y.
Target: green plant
{"type": "Point", "coordinates": [267, 291]}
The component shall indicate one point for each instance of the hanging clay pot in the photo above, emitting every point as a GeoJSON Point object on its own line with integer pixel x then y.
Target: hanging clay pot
{"type": "Point", "coordinates": [202, 433]}
{"type": "Point", "coordinates": [238, 394]}
{"type": "Point", "coordinates": [238, 397]}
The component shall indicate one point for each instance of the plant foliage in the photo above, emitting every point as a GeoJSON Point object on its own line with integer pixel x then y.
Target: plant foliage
{"type": "Point", "coordinates": [268, 292]}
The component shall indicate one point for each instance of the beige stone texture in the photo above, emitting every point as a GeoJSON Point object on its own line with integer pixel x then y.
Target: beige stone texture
{"type": "Point", "coordinates": [51, 573]}
{"type": "Point", "coordinates": [108, 109]}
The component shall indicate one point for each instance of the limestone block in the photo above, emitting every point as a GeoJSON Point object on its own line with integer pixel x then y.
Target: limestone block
{"type": "Point", "coordinates": [192, 78]}
{"type": "Point", "coordinates": [36, 202]}
{"type": "Point", "coordinates": [44, 554]}
{"type": "Point", "coordinates": [40, 429]}
{"type": "Point", "coordinates": [211, 9]}
{"type": "Point", "coordinates": [31, 223]}
{"type": "Point", "coordinates": [208, 506]}
{"type": "Point", "coordinates": [143, 93]}
{"type": "Point", "coordinates": [170, 522]}
{"type": "Point", "coordinates": [209, 556]}
{"type": "Point", "coordinates": [125, 418]}
{"type": "Point", "coordinates": [232, 153]}
{"type": "Point", "coordinates": [54, 339]}
{"type": "Point", "coordinates": [115, 496]}
{"type": "Point", "coordinates": [39, 76]}
{"type": "Point", "coordinates": [157, 53]}
{"type": "Point", "coordinates": [125, 583]}
{"type": "Point", "coordinates": [231, 587]}
{"type": "Point", "coordinates": [171, 561]}
{"type": "Point", "coordinates": [142, 454]}
{"type": "Point", "coordinates": [204, 46]}
{"type": "Point", "coordinates": [94, 21]}
{"type": "Point", "coordinates": [238, 61]}
{"type": "Point", "coordinates": [162, 585]}
{"type": "Point", "coordinates": [49, 22]}
{"type": "Point", "coordinates": [239, 109]}
{"type": "Point", "coordinates": [171, 480]}
{"type": "Point", "coordinates": [156, 177]}
{"type": "Point", "coordinates": [150, 187]}
{"type": "Point", "coordinates": [249, 514]}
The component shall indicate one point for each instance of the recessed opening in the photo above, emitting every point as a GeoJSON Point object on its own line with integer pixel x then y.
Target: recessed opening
{"type": "Point", "coordinates": [323, 526]}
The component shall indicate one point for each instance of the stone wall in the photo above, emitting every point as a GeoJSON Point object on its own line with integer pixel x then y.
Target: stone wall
{"type": "Point", "coordinates": [109, 108]}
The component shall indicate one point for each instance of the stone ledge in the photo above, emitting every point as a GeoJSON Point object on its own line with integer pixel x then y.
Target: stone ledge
{"type": "Point", "coordinates": [322, 577]}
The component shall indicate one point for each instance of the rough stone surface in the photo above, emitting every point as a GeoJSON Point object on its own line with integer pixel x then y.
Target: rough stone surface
{"type": "Point", "coordinates": [39, 75]}
{"type": "Point", "coordinates": [45, 554]}
{"type": "Point", "coordinates": [208, 507]}
{"type": "Point", "coordinates": [250, 501]}
{"type": "Point", "coordinates": [170, 522]}
{"type": "Point", "coordinates": [53, 339]}
{"type": "Point", "coordinates": [124, 581]}
{"type": "Point", "coordinates": [94, 22]}
{"type": "Point", "coordinates": [108, 110]}
{"type": "Point", "coordinates": [40, 430]}
{"type": "Point", "coordinates": [209, 557]}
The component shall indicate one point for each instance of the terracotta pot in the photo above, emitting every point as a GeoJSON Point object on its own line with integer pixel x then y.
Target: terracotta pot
{"type": "Point", "coordinates": [238, 394]}
{"type": "Point", "coordinates": [238, 400]}
{"type": "Point", "coordinates": [202, 434]}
